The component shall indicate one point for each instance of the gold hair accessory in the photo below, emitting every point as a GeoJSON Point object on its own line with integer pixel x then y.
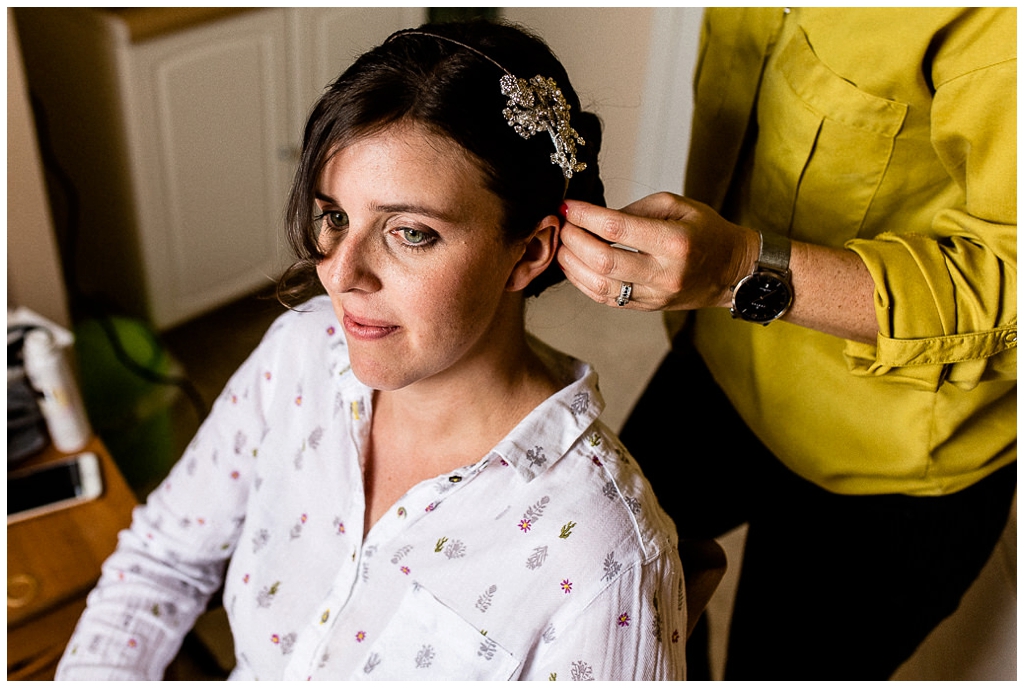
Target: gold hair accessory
{"type": "Point", "coordinates": [533, 106]}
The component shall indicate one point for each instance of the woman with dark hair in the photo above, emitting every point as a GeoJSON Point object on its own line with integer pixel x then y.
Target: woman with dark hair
{"type": "Point", "coordinates": [400, 483]}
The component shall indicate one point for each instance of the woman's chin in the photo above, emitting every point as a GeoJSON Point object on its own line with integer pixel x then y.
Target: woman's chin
{"type": "Point", "coordinates": [378, 378]}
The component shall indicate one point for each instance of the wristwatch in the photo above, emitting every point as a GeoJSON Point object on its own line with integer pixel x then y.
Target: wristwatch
{"type": "Point", "coordinates": [766, 294]}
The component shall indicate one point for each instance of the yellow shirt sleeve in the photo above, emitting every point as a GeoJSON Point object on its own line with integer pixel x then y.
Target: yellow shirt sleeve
{"type": "Point", "coordinates": [946, 296]}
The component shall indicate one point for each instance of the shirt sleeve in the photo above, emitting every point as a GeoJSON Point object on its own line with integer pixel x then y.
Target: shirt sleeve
{"type": "Point", "coordinates": [946, 296]}
{"type": "Point", "coordinates": [633, 630]}
{"type": "Point", "coordinates": [171, 560]}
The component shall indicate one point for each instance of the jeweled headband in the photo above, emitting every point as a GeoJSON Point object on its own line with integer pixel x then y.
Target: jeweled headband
{"type": "Point", "coordinates": [533, 106]}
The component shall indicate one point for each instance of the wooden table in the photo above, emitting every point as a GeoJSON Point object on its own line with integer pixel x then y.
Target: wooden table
{"type": "Point", "coordinates": [53, 560]}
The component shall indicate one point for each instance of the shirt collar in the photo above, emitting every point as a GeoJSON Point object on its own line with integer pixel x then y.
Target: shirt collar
{"type": "Point", "coordinates": [550, 430]}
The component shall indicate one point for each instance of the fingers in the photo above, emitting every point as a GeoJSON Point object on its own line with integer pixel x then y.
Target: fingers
{"type": "Point", "coordinates": [599, 257]}
{"type": "Point", "coordinates": [614, 226]}
{"type": "Point", "coordinates": [598, 270]}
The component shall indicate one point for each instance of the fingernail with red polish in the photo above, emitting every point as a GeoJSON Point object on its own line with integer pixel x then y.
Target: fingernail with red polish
{"type": "Point", "coordinates": [564, 211]}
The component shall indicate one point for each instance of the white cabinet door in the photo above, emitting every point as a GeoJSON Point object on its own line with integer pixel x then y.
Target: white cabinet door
{"type": "Point", "coordinates": [327, 40]}
{"type": "Point", "coordinates": [207, 111]}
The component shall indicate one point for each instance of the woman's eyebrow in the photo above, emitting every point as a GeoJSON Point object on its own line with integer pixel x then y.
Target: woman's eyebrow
{"type": "Point", "coordinates": [415, 209]}
{"type": "Point", "coordinates": [321, 196]}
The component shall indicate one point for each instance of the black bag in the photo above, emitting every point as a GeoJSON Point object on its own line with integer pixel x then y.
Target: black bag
{"type": "Point", "coordinates": [26, 428]}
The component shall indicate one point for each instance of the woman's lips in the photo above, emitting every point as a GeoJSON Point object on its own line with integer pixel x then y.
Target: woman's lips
{"type": "Point", "coordinates": [366, 329]}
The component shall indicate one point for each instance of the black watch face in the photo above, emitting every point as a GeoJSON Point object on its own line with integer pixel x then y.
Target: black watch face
{"type": "Point", "coordinates": [761, 298]}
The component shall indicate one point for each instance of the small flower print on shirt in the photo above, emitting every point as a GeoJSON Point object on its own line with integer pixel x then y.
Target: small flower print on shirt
{"type": "Point", "coordinates": [330, 331]}
{"type": "Point", "coordinates": [524, 525]}
{"type": "Point", "coordinates": [405, 569]}
{"type": "Point", "coordinates": [623, 620]}
{"type": "Point", "coordinates": [536, 456]}
{"type": "Point", "coordinates": [455, 549]}
{"type": "Point", "coordinates": [580, 403]}
{"type": "Point", "coordinates": [425, 657]}
{"type": "Point", "coordinates": [567, 586]}
{"type": "Point", "coordinates": [581, 671]}
{"type": "Point", "coordinates": [537, 557]}
{"type": "Point", "coordinates": [360, 636]}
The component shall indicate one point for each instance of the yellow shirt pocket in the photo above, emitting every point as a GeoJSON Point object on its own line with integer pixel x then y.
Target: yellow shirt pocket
{"type": "Point", "coordinates": [823, 148]}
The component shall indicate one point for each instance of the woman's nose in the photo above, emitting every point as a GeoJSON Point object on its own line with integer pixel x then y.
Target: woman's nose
{"type": "Point", "coordinates": [349, 264]}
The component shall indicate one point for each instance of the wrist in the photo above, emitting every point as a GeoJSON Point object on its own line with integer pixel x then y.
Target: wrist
{"type": "Point", "coordinates": [765, 294]}
{"type": "Point", "coordinates": [743, 262]}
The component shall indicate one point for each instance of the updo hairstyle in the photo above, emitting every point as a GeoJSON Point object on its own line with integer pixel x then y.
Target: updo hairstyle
{"type": "Point", "coordinates": [455, 93]}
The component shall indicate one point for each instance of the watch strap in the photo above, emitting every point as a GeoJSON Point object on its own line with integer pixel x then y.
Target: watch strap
{"type": "Point", "coordinates": [774, 253]}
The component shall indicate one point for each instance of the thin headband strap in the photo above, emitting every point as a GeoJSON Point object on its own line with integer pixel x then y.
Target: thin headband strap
{"type": "Point", "coordinates": [533, 106]}
{"type": "Point", "coordinates": [414, 32]}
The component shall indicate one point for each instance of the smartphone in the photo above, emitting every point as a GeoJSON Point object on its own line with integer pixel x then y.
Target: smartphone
{"type": "Point", "coordinates": [51, 486]}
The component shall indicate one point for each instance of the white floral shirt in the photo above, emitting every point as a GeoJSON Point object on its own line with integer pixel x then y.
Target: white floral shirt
{"type": "Point", "coordinates": [547, 559]}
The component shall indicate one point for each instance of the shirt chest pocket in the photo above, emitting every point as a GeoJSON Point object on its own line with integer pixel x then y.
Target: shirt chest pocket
{"type": "Point", "coordinates": [428, 640]}
{"type": "Point", "coordinates": [823, 148]}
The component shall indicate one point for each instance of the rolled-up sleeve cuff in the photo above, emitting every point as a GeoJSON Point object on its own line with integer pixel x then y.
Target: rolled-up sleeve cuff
{"type": "Point", "coordinates": [907, 347]}
{"type": "Point", "coordinates": [961, 359]}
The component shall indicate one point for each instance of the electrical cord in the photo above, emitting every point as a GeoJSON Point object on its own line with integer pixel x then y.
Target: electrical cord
{"type": "Point", "coordinates": [84, 305]}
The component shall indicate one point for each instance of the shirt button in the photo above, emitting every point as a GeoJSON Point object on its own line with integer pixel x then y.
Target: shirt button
{"type": "Point", "coordinates": [1011, 337]}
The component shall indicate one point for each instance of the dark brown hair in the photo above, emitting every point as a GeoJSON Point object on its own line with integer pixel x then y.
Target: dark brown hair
{"type": "Point", "coordinates": [453, 92]}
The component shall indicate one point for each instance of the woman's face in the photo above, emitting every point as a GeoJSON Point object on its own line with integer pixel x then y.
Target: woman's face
{"type": "Point", "coordinates": [416, 266]}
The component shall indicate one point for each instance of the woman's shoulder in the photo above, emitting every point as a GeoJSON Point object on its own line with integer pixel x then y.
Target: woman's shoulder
{"type": "Point", "coordinates": [615, 481]}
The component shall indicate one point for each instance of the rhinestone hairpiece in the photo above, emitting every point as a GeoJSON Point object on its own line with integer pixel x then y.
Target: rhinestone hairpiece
{"type": "Point", "coordinates": [533, 106]}
{"type": "Point", "coordinates": [538, 105]}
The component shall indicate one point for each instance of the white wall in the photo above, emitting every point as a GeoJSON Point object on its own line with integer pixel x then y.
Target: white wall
{"type": "Point", "coordinates": [34, 277]}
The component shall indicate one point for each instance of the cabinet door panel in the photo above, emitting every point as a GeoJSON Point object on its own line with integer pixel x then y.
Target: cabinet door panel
{"type": "Point", "coordinates": [212, 111]}
{"type": "Point", "coordinates": [329, 39]}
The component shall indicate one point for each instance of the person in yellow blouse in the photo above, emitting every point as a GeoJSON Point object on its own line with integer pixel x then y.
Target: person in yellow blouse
{"type": "Point", "coordinates": [840, 284]}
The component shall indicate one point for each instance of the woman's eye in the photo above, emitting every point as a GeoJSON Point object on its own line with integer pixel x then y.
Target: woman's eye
{"type": "Point", "coordinates": [332, 219]}
{"type": "Point", "coordinates": [336, 219]}
{"type": "Point", "coordinates": [415, 237]}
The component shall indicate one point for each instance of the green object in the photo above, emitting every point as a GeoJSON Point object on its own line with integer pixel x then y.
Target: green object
{"type": "Point", "coordinates": [128, 409]}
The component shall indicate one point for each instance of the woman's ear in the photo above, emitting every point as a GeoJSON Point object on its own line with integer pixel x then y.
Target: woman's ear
{"type": "Point", "coordinates": [540, 249]}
